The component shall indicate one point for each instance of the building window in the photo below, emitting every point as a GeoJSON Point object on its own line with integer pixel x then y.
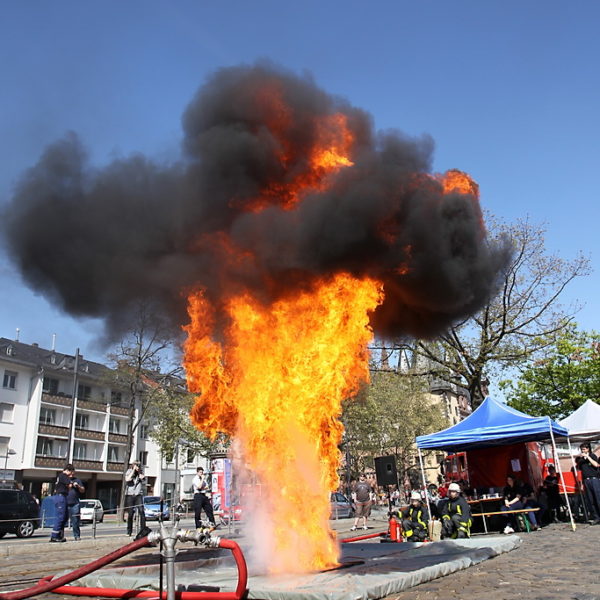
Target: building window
{"type": "Point", "coordinates": [50, 385]}
{"type": "Point", "coordinates": [10, 380]}
{"type": "Point", "coordinates": [190, 456]}
{"type": "Point", "coordinates": [84, 392]}
{"type": "Point", "coordinates": [4, 445]}
{"type": "Point", "coordinates": [6, 412]}
{"type": "Point", "coordinates": [114, 425]}
{"type": "Point", "coordinates": [113, 454]}
{"type": "Point", "coordinates": [143, 458]}
{"type": "Point", "coordinates": [45, 447]}
{"type": "Point", "coordinates": [116, 397]}
{"type": "Point", "coordinates": [82, 421]}
{"type": "Point", "coordinates": [47, 416]}
{"type": "Point", "coordinates": [80, 451]}
{"type": "Point", "coordinates": [144, 430]}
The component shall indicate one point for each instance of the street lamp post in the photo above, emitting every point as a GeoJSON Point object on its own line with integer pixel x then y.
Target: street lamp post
{"type": "Point", "coordinates": [9, 452]}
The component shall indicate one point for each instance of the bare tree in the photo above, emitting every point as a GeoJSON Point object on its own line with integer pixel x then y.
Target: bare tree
{"type": "Point", "coordinates": [522, 319]}
{"type": "Point", "coordinates": [139, 371]}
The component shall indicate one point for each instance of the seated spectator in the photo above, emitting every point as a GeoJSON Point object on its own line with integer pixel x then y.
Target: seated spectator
{"type": "Point", "coordinates": [514, 500]}
{"type": "Point", "coordinates": [456, 514]}
{"type": "Point", "coordinates": [415, 519]}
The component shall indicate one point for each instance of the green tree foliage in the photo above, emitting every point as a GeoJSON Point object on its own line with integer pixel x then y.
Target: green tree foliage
{"type": "Point", "coordinates": [386, 417]}
{"type": "Point", "coordinates": [169, 414]}
{"type": "Point", "coordinates": [562, 380]}
{"type": "Point", "coordinates": [517, 324]}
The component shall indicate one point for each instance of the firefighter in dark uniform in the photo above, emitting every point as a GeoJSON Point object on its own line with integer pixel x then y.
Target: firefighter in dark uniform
{"type": "Point", "coordinates": [415, 519]}
{"type": "Point", "coordinates": [456, 515]}
{"type": "Point", "coordinates": [61, 515]}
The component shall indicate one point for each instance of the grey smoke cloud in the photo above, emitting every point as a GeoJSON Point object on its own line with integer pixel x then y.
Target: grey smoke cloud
{"type": "Point", "coordinates": [96, 242]}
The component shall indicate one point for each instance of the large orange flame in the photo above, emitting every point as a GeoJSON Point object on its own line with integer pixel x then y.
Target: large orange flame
{"type": "Point", "coordinates": [276, 383]}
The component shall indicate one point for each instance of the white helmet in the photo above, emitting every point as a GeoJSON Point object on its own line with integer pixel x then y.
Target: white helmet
{"type": "Point", "coordinates": [415, 495]}
{"type": "Point", "coordinates": [454, 487]}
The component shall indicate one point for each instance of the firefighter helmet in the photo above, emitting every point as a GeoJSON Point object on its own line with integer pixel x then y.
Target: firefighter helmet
{"type": "Point", "coordinates": [415, 495]}
{"type": "Point", "coordinates": [454, 487]}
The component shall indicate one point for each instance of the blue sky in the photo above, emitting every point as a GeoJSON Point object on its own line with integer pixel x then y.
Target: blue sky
{"type": "Point", "coordinates": [509, 91]}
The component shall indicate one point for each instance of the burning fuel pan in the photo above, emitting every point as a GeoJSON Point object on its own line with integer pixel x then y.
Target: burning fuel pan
{"type": "Point", "coordinates": [370, 571]}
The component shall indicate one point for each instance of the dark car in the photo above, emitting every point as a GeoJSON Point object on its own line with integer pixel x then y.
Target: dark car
{"type": "Point", "coordinates": [19, 513]}
{"type": "Point", "coordinates": [152, 508]}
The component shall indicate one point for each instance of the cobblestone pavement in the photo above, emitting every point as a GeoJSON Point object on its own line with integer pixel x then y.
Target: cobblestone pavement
{"type": "Point", "coordinates": [552, 564]}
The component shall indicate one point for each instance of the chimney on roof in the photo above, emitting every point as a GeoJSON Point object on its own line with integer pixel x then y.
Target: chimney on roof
{"type": "Point", "coordinates": [17, 336]}
{"type": "Point", "coordinates": [35, 345]}
{"type": "Point", "coordinates": [53, 341]}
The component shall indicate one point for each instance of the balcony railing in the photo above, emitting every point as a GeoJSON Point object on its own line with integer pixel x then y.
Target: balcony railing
{"type": "Point", "coordinates": [50, 462]}
{"type": "Point", "coordinates": [115, 467]}
{"type": "Point", "coordinates": [87, 465]}
{"type": "Point", "coordinates": [53, 430]}
{"type": "Point", "coordinates": [91, 405]}
{"type": "Point", "coordinates": [89, 434]}
{"type": "Point", "coordinates": [56, 399]}
{"type": "Point", "coordinates": [118, 438]}
{"type": "Point", "coordinates": [119, 410]}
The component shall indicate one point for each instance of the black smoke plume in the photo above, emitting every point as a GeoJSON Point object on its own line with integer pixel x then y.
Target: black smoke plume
{"type": "Point", "coordinates": [99, 241]}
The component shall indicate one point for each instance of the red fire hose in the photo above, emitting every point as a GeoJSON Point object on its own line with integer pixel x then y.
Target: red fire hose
{"type": "Point", "coordinates": [367, 536]}
{"type": "Point", "coordinates": [239, 593]}
{"type": "Point", "coordinates": [58, 585]}
{"type": "Point", "coordinates": [47, 584]}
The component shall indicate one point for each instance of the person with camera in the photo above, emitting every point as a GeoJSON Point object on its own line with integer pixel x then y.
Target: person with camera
{"type": "Point", "coordinates": [588, 464]}
{"type": "Point", "coordinates": [74, 505]}
{"type": "Point", "coordinates": [134, 495]}
{"type": "Point", "coordinates": [200, 488]}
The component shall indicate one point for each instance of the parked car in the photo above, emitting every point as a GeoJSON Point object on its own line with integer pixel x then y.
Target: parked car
{"type": "Point", "coordinates": [19, 513]}
{"type": "Point", "coordinates": [341, 507]}
{"type": "Point", "coordinates": [152, 508]}
{"type": "Point", "coordinates": [89, 508]}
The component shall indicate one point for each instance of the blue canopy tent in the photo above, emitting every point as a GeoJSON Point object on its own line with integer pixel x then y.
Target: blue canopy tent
{"type": "Point", "coordinates": [494, 424]}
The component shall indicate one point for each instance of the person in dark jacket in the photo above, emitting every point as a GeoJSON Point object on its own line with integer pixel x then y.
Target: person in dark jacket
{"type": "Point", "coordinates": [456, 514]}
{"type": "Point", "coordinates": [61, 514]}
{"type": "Point", "coordinates": [74, 505]}
{"type": "Point", "coordinates": [415, 519]}
{"type": "Point", "coordinates": [516, 497]}
{"type": "Point", "coordinates": [589, 465]}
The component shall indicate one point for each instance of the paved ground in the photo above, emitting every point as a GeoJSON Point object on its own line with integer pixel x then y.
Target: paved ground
{"type": "Point", "coordinates": [552, 564]}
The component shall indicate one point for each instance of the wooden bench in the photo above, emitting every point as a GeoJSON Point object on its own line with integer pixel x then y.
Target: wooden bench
{"type": "Point", "coordinates": [503, 512]}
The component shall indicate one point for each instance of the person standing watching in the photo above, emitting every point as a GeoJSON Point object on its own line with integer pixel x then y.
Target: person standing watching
{"type": "Point", "coordinates": [61, 515]}
{"type": "Point", "coordinates": [362, 500]}
{"type": "Point", "coordinates": [200, 488]}
{"type": "Point", "coordinates": [134, 495]}
{"type": "Point", "coordinates": [588, 464]}
{"type": "Point", "coordinates": [74, 506]}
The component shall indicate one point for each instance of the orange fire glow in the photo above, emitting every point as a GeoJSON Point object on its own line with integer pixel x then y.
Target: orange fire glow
{"type": "Point", "coordinates": [458, 181]}
{"type": "Point", "coordinates": [274, 376]}
{"type": "Point", "coordinates": [276, 383]}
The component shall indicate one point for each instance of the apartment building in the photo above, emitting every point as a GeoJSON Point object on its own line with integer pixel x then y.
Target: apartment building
{"type": "Point", "coordinates": [57, 408]}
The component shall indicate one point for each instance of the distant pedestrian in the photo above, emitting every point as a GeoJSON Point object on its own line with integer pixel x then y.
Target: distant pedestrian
{"type": "Point", "coordinates": [74, 506]}
{"type": "Point", "coordinates": [134, 495]}
{"type": "Point", "coordinates": [201, 488]}
{"type": "Point", "coordinates": [61, 515]}
{"type": "Point", "coordinates": [362, 495]}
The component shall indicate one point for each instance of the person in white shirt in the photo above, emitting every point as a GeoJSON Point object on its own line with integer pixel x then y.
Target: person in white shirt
{"type": "Point", "coordinates": [201, 487]}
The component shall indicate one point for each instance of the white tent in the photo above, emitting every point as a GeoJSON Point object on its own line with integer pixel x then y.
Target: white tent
{"type": "Point", "coordinates": [584, 423]}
